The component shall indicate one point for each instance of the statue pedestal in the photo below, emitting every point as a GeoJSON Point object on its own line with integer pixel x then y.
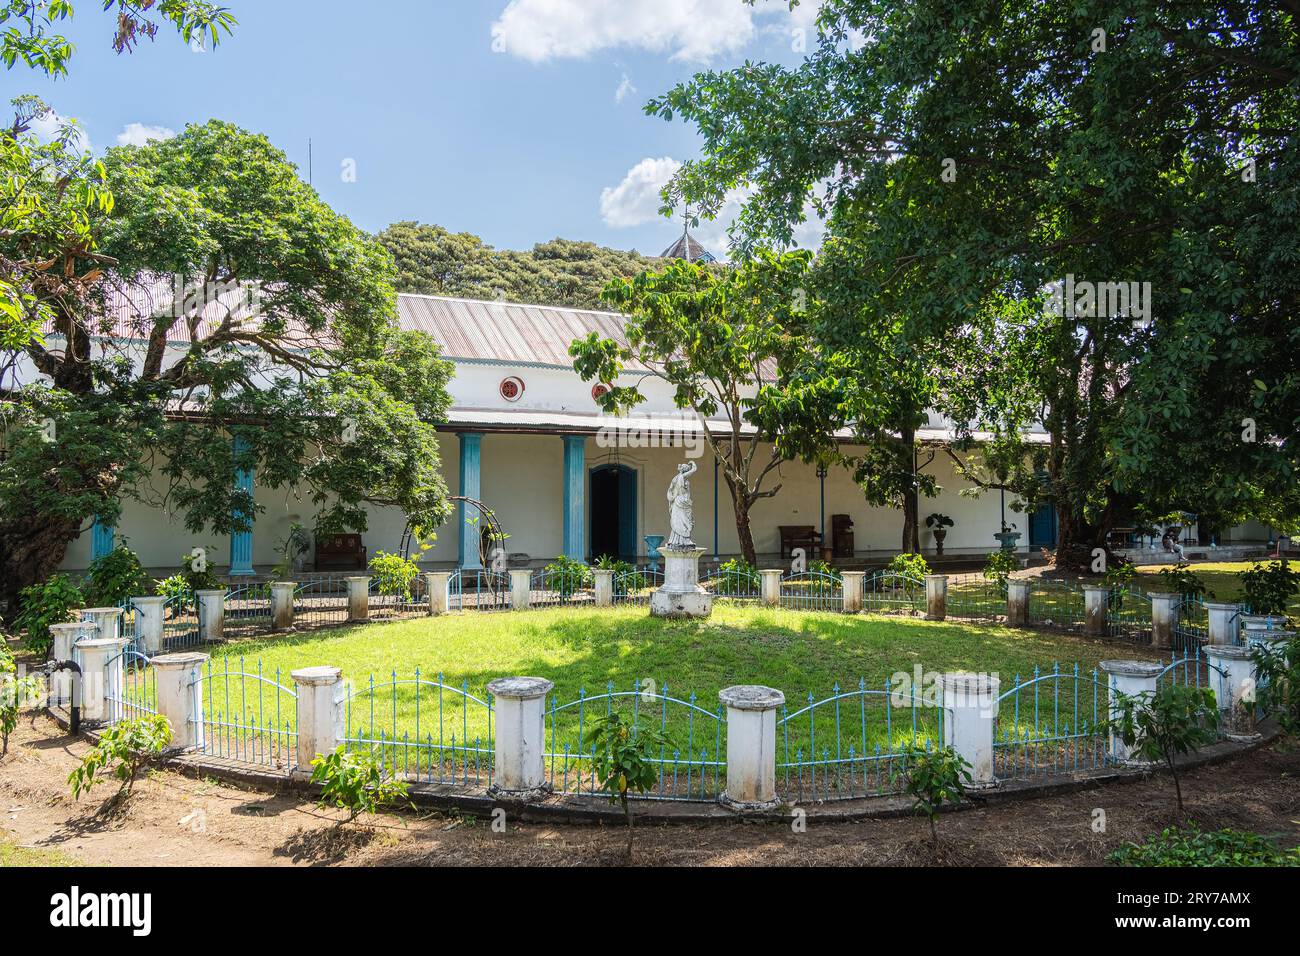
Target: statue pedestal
{"type": "Point", "coordinates": [681, 595]}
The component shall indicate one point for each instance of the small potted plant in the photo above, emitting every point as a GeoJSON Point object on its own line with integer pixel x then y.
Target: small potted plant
{"type": "Point", "coordinates": [1008, 536]}
{"type": "Point", "coordinates": [938, 525]}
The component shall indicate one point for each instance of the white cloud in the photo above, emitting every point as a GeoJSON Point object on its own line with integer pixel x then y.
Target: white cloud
{"type": "Point", "coordinates": [137, 134]}
{"type": "Point", "coordinates": [635, 201]}
{"type": "Point", "coordinates": [693, 30]}
{"type": "Point", "coordinates": [625, 89]}
{"type": "Point", "coordinates": [49, 127]}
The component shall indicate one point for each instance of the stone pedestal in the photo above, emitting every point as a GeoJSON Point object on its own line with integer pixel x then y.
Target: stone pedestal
{"type": "Point", "coordinates": [180, 696]}
{"type": "Point", "coordinates": [1164, 617]}
{"type": "Point", "coordinates": [320, 713]}
{"type": "Point", "coordinates": [438, 584]}
{"type": "Point", "coordinates": [358, 598]}
{"type": "Point", "coordinates": [282, 604]}
{"type": "Point", "coordinates": [1096, 598]}
{"type": "Point", "coordinates": [1253, 626]}
{"type": "Point", "coordinates": [107, 619]}
{"type": "Point", "coordinates": [64, 685]}
{"type": "Point", "coordinates": [521, 586]}
{"type": "Point", "coordinates": [970, 710]}
{"type": "Point", "coordinates": [681, 595]}
{"type": "Point", "coordinates": [751, 747]}
{"type": "Point", "coordinates": [604, 587]}
{"type": "Point", "coordinates": [1017, 603]}
{"type": "Point", "coordinates": [97, 656]}
{"type": "Point", "coordinates": [1131, 679]}
{"type": "Point", "coordinates": [770, 579]}
{"type": "Point", "coordinates": [1223, 623]}
{"type": "Point", "coordinates": [1232, 678]}
{"type": "Point", "coordinates": [212, 614]}
{"type": "Point", "coordinates": [149, 624]}
{"type": "Point", "coordinates": [936, 597]}
{"type": "Point", "coordinates": [853, 590]}
{"type": "Point", "coordinates": [519, 704]}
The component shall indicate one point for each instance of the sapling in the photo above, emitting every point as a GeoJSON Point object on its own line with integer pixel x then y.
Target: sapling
{"type": "Point", "coordinates": [353, 780]}
{"type": "Point", "coordinates": [125, 748]}
{"type": "Point", "coordinates": [1175, 720]}
{"type": "Point", "coordinates": [15, 691]}
{"type": "Point", "coordinates": [623, 758]}
{"type": "Point", "coordinates": [933, 777]}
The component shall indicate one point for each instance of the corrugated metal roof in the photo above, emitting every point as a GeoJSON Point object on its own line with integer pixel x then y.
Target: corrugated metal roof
{"type": "Point", "coordinates": [505, 331]}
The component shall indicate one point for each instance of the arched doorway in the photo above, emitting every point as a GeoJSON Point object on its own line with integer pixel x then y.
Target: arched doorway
{"type": "Point", "coordinates": [613, 512]}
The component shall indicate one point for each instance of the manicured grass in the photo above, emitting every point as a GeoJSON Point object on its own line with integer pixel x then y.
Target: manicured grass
{"type": "Point", "coordinates": [1220, 577]}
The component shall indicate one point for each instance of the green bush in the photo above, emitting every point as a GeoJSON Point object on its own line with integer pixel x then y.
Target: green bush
{"type": "Point", "coordinates": [1174, 720]}
{"type": "Point", "coordinates": [1181, 580]}
{"type": "Point", "coordinates": [737, 576]}
{"type": "Point", "coordinates": [824, 567]}
{"type": "Point", "coordinates": [623, 758]}
{"type": "Point", "coordinates": [393, 573]}
{"type": "Point", "coordinates": [198, 574]}
{"type": "Point", "coordinates": [125, 748]}
{"type": "Point", "coordinates": [998, 568]}
{"type": "Point", "coordinates": [1190, 846]}
{"type": "Point", "coordinates": [933, 777]}
{"type": "Point", "coordinates": [627, 579]}
{"type": "Point", "coordinates": [115, 577]}
{"type": "Point", "coordinates": [567, 575]}
{"type": "Point", "coordinates": [354, 781]}
{"type": "Point", "coordinates": [1268, 588]}
{"type": "Point", "coordinates": [175, 586]}
{"type": "Point", "coordinates": [40, 605]}
{"type": "Point", "coordinates": [14, 692]}
{"type": "Point", "coordinates": [1277, 688]}
{"type": "Point", "coordinates": [908, 565]}
{"type": "Point", "coordinates": [1118, 577]}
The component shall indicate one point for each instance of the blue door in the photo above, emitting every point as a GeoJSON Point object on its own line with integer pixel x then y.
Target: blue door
{"type": "Point", "coordinates": [1042, 527]}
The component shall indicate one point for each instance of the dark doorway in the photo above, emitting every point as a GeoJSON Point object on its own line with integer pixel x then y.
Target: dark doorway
{"type": "Point", "coordinates": [613, 512]}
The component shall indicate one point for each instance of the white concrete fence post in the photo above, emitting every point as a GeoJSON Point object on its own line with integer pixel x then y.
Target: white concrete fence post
{"type": "Point", "coordinates": [438, 584]}
{"type": "Point", "coordinates": [282, 593]}
{"type": "Point", "coordinates": [1017, 603]}
{"type": "Point", "coordinates": [852, 588]}
{"type": "Point", "coordinates": [751, 747]}
{"type": "Point", "coordinates": [936, 597]}
{"type": "Point", "coordinates": [520, 707]}
{"type": "Point", "coordinates": [149, 624]}
{"type": "Point", "coordinates": [521, 584]}
{"type": "Point", "coordinates": [1164, 617]}
{"type": "Point", "coordinates": [1130, 679]}
{"type": "Point", "coordinates": [212, 614]}
{"type": "Point", "coordinates": [358, 597]}
{"type": "Point", "coordinates": [1224, 623]}
{"type": "Point", "coordinates": [604, 587]}
{"type": "Point", "coordinates": [108, 620]}
{"type": "Point", "coordinates": [180, 696]}
{"type": "Point", "coordinates": [320, 713]}
{"type": "Point", "coordinates": [1096, 600]}
{"type": "Point", "coordinates": [970, 710]}
{"type": "Point", "coordinates": [771, 591]}
{"type": "Point", "coordinates": [64, 684]}
{"type": "Point", "coordinates": [96, 656]}
{"type": "Point", "coordinates": [1232, 678]}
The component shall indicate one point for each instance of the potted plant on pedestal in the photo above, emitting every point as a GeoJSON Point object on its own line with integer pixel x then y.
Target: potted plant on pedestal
{"type": "Point", "coordinates": [939, 525]}
{"type": "Point", "coordinates": [1008, 536]}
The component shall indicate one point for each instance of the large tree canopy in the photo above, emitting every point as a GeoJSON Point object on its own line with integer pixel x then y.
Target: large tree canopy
{"type": "Point", "coordinates": [281, 354]}
{"type": "Point", "coordinates": [972, 155]}
{"type": "Point", "coordinates": [433, 261]}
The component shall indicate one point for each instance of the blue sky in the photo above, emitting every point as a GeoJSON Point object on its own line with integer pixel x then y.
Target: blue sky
{"type": "Point", "coordinates": [518, 120]}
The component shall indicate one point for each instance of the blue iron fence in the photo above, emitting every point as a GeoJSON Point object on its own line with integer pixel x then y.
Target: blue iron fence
{"type": "Point", "coordinates": [132, 689]}
{"type": "Point", "coordinates": [565, 584]}
{"type": "Point", "coordinates": [248, 609]}
{"type": "Point", "coordinates": [1052, 722]}
{"type": "Point", "coordinates": [634, 587]}
{"type": "Point", "coordinates": [246, 716]}
{"type": "Point", "coordinates": [423, 730]}
{"type": "Point", "coordinates": [853, 743]}
{"type": "Point", "coordinates": [687, 770]}
{"type": "Point", "coordinates": [392, 599]}
{"type": "Point", "coordinates": [975, 597]}
{"type": "Point", "coordinates": [887, 592]}
{"type": "Point", "coordinates": [812, 591]}
{"type": "Point", "coordinates": [321, 602]}
{"type": "Point", "coordinates": [1128, 615]}
{"type": "Point", "coordinates": [737, 584]}
{"type": "Point", "coordinates": [478, 590]}
{"type": "Point", "coordinates": [1191, 625]}
{"type": "Point", "coordinates": [180, 621]}
{"type": "Point", "coordinates": [1056, 604]}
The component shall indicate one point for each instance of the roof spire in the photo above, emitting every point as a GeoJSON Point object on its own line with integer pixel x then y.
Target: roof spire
{"type": "Point", "coordinates": [686, 247]}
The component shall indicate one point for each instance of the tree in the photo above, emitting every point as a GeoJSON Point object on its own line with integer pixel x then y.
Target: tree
{"type": "Point", "coordinates": [262, 336]}
{"type": "Point", "coordinates": [974, 156]}
{"type": "Point", "coordinates": [124, 748]}
{"type": "Point", "coordinates": [1175, 720]}
{"type": "Point", "coordinates": [933, 777]}
{"type": "Point", "coordinates": [623, 756]}
{"type": "Point", "coordinates": [724, 342]}
{"type": "Point", "coordinates": [433, 261]}
{"type": "Point", "coordinates": [354, 780]}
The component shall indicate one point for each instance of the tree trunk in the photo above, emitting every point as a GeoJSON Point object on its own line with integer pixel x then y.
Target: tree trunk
{"type": "Point", "coordinates": [740, 502]}
{"type": "Point", "coordinates": [31, 549]}
{"type": "Point", "coordinates": [911, 498]}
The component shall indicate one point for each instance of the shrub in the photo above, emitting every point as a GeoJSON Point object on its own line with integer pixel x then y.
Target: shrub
{"type": "Point", "coordinates": [1190, 846]}
{"type": "Point", "coordinates": [932, 778]}
{"type": "Point", "coordinates": [393, 573]}
{"type": "Point", "coordinates": [737, 576]}
{"type": "Point", "coordinates": [1181, 580]}
{"type": "Point", "coordinates": [41, 605]}
{"type": "Point", "coordinates": [115, 577]}
{"type": "Point", "coordinates": [626, 577]}
{"type": "Point", "coordinates": [1277, 671]}
{"type": "Point", "coordinates": [908, 565]}
{"type": "Point", "coordinates": [567, 575]}
{"type": "Point", "coordinates": [197, 572]}
{"type": "Point", "coordinates": [623, 759]}
{"type": "Point", "coordinates": [1268, 588]}
{"type": "Point", "coordinates": [14, 692]}
{"type": "Point", "coordinates": [125, 748]}
{"type": "Point", "coordinates": [998, 568]}
{"type": "Point", "coordinates": [354, 781]}
{"type": "Point", "coordinates": [824, 567]}
{"type": "Point", "coordinates": [1119, 575]}
{"type": "Point", "coordinates": [1174, 720]}
{"type": "Point", "coordinates": [175, 586]}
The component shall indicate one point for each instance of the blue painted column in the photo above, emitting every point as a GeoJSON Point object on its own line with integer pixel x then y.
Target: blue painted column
{"type": "Point", "coordinates": [471, 445]}
{"type": "Point", "coordinates": [241, 542]}
{"type": "Point", "coordinates": [102, 537]}
{"type": "Point", "coordinates": [575, 495]}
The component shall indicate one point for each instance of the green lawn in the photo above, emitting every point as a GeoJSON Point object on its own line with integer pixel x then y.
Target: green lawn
{"type": "Point", "coordinates": [11, 855]}
{"type": "Point", "coordinates": [1220, 578]}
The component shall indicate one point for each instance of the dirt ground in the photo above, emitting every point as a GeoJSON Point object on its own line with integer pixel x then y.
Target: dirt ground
{"type": "Point", "coordinates": [174, 820]}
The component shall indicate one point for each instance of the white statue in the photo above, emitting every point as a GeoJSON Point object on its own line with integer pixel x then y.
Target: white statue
{"type": "Point", "coordinates": [681, 516]}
